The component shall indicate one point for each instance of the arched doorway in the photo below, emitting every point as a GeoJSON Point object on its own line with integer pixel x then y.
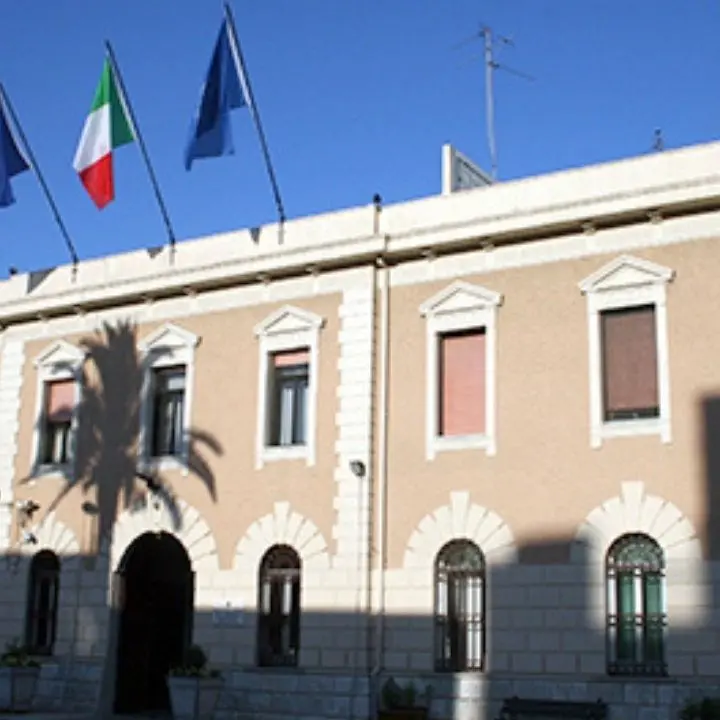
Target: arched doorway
{"type": "Point", "coordinates": [154, 594]}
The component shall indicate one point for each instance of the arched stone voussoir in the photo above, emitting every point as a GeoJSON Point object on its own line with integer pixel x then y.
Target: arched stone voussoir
{"type": "Point", "coordinates": [187, 525]}
{"type": "Point", "coordinates": [282, 527]}
{"type": "Point", "coordinates": [53, 534]}
{"type": "Point", "coordinates": [635, 511]}
{"type": "Point", "coordinates": [460, 519]}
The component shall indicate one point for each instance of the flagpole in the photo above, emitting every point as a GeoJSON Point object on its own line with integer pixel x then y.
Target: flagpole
{"type": "Point", "coordinates": [245, 81]}
{"type": "Point", "coordinates": [5, 100]}
{"type": "Point", "coordinates": [141, 143]}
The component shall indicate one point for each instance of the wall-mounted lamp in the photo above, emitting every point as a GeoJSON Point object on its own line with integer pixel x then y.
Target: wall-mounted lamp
{"type": "Point", "coordinates": [151, 481]}
{"type": "Point", "coordinates": [27, 508]}
{"type": "Point", "coordinates": [90, 508]}
{"type": "Point", "coordinates": [357, 468]}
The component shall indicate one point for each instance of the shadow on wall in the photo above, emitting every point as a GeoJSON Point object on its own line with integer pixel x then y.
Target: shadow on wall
{"type": "Point", "coordinates": [551, 628]}
{"type": "Point", "coordinates": [710, 452]}
{"type": "Point", "coordinates": [107, 445]}
{"type": "Point", "coordinates": [546, 638]}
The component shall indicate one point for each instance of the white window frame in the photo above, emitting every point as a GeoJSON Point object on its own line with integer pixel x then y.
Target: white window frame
{"type": "Point", "coordinates": [168, 346]}
{"type": "Point", "coordinates": [287, 329]}
{"type": "Point", "coordinates": [461, 306]}
{"type": "Point", "coordinates": [627, 282]}
{"type": "Point", "coordinates": [60, 361]}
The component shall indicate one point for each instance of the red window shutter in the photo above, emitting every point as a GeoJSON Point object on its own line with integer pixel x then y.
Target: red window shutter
{"type": "Point", "coordinates": [292, 357]}
{"type": "Point", "coordinates": [59, 400]}
{"type": "Point", "coordinates": [629, 353]}
{"type": "Point", "coordinates": [462, 383]}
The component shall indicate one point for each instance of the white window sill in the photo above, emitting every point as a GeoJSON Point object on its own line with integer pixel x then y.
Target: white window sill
{"type": "Point", "coordinates": [452, 443]}
{"type": "Point", "coordinates": [64, 469]}
{"type": "Point", "coordinates": [163, 463]}
{"type": "Point", "coordinates": [284, 452]}
{"type": "Point", "coordinates": [633, 428]}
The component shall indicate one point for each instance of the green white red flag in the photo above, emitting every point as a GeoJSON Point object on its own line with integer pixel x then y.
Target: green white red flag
{"type": "Point", "coordinates": [107, 128]}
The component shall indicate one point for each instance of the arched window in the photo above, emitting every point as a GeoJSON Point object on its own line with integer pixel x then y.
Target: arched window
{"type": "Point", "coordinates": [459, 607]}
{"type": "Point", "coordinates": [279, 607]}
{"type": "Point", "coordinates": [636, 617]}
{"type": "Point", "coordinates": [42, 603]}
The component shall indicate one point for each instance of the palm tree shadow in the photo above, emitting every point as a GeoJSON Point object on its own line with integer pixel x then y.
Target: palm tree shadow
{"type": "Point", "coordinates": [106, 458]}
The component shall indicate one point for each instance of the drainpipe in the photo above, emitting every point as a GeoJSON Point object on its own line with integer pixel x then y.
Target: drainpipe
{"type": "Point", "coordinates": [384, 359]}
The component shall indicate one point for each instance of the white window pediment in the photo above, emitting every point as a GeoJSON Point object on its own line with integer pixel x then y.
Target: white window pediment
{"type": "Point", "coordinates": [286, 329]}
{"type": "Point", "coordinates": [167, 346]}
{"type": "Point", "coordinates": [626, 272]}
{"type": "Point", "coordinates": [623, 283]}
{"type": "Point", "coordinates": [460, 306]}
{"type": "Point", "coordinates": [460, 297]}
{"type": "Point", "coordinates": [288, 320]}
{"type": "Point", "coordinates": [60, 362]}
{"type": "Point", "coordinates": [60, 358]}
{"type": "Point", "coordinates": [169, 337]}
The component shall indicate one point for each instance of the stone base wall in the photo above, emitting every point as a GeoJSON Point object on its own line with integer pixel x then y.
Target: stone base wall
{"type": "Point", "coordinates": [300, 696]}
{"type": "Point", "coordinates": [69, 686]}
{"type": "Point", "coordinates": [479, 697]}
{"type": "Point", "coordinates": [551, 620]}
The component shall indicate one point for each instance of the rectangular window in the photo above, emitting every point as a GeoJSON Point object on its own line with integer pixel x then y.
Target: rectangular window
{"type": "Point", "coordinates": [629, 363]}
{"type": "Point", "coordinates": [168, 408]}
{"type": "Point", "coordinates": [58, 409]}
{"type": "Point", "coordinates": [461, 385]}
{"type": "Point", "coordinates": [289, 394]}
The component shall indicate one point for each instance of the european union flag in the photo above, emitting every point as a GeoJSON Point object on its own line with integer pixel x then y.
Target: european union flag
{"type": "Point", "coordinates": [223, 91]}
{"type": "Point", "coordinates": [12, 160]}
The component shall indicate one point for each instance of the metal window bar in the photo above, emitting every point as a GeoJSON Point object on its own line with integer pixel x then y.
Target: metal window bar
{"type": "Point", "coordinates": [460, 608]}
{"type": "Point", "coordinates": [279, 621]}
{"type": "Point", "coordinates": [636, 618]}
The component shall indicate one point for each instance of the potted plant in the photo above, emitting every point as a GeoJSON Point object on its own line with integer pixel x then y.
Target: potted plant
{"type": "Point", "coordinates": [705, 709]}
{"type": "Point", "coordinates": [18, 678]}
{"type": "Point", "coordinates": [194, 687]}
{"type": "Point", "coordinates": [403, 702]}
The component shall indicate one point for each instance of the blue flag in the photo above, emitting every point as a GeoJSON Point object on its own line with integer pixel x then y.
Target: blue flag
{"type": "Point", "coordinates": [12, 160]}
{"type": "Point", "coordinates": [211, 134]}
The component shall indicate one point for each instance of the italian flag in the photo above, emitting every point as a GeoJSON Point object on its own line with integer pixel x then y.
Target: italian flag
{"type": "Point", "coordinates": [107, 128]}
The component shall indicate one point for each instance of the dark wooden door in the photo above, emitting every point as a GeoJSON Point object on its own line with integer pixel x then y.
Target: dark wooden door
{"type": "Point", "coordinates": [156, 604]}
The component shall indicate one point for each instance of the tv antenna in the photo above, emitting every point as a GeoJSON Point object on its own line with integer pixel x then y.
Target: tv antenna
{"type": "Point", "coordinates": [491, 63]}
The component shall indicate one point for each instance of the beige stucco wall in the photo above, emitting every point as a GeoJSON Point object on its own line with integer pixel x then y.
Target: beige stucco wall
{"type": "Point", "coordinates": [540, 486]}
{"type": "Point", "coordinates": [546, 595]}
{"type": "Point", "coordinates": [545, 477]}
{"type": "Point", "coordinates": [224, 408]}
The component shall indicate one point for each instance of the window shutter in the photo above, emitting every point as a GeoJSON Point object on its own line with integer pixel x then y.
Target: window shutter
{"type": "Point", "coordinates": [630, 362]}
{"type": "Point", "coordinates": [462, 383]}
{"type": "Point", "coordinates": [59, 400]}
{"type": "Point", "coordinates": [292, 357]}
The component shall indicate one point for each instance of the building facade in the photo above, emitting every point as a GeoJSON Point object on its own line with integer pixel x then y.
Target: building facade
{"type": "Point", "coordinates": [471, 441]}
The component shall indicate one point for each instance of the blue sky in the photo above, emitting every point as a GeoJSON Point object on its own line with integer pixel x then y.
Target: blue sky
{"type": "Point", "coordinates": [356, 96]}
